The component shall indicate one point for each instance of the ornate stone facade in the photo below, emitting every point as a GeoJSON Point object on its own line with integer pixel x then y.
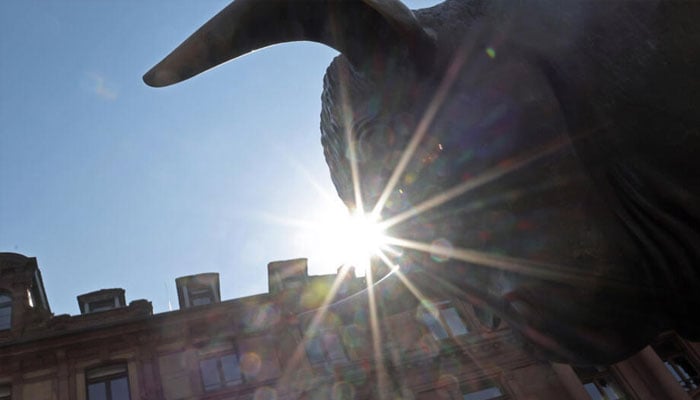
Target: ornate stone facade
{"type": "Point", "coordinates": [281, 345]}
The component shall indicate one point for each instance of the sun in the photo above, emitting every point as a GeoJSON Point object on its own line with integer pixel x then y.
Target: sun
{"type": "Point", "coordinates": [363, 239]}
{"type": "Point", "coordinates": [348, 239]}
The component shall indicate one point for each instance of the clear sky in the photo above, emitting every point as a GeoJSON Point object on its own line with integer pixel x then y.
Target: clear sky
{"type": "Point", "coordinates": [111, 183]}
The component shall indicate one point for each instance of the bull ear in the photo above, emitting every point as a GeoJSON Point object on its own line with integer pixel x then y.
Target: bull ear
{"type": "Point", "coordinates": [361, 30]}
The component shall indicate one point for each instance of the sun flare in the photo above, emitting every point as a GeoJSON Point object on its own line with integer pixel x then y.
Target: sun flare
{"type": "Point", "coordinates": [353, 240]}
{"type": "Point", "coordinates": [363, 238]}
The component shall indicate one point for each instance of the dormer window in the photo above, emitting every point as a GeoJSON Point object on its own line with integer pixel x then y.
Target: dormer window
{"type": "Point", "coordinates": [201, 296]}
{"type": "Point", "coordinates": [101, 300]}
{"type": "Point", "coordinates": [36, 294]}
{"type": "Point", "coordinates": [5, 312]}
{"type": "Point", "coordinates": [23, 303]}
{"type": "Point", "coordinates": [198, 290]}
{"type": "Point", "coordinates": [290, 275]}
{"type": "Point", "coordinates": [293, 283]}
{"type": "Point", "coordinates": [103, 305]}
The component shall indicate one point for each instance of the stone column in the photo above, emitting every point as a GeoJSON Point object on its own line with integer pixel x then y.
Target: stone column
{"type": "Point", "coordinates": [150, 387]}
{"type": "Point", "coordinates": [17, 385]}
{"type": "Point", "coordinates": [63, 375]}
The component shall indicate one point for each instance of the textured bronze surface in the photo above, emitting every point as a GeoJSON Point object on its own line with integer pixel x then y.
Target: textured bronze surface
{"type": "Point", "coordinates": [557, 172]}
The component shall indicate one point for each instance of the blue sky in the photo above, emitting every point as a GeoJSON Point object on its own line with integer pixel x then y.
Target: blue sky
{"type": "Point", "coordinates": [111, 183]}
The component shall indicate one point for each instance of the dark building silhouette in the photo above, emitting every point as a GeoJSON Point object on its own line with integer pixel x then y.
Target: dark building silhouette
{"type": "Point", "coordinates": [285, 344]}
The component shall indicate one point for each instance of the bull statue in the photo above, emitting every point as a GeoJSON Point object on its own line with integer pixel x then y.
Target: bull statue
{"type": "Point", "coordinates": [540, 157]}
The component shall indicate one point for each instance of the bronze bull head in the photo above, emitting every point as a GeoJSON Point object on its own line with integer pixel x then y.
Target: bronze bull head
{"type": "Point", "coordinates": [541, 157]}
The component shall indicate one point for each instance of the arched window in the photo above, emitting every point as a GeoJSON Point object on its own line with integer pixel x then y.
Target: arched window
{"type": "Point", "coordinates": [5, 311]}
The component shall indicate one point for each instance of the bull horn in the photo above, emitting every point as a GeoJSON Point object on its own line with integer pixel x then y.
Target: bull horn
{"type": "Point", "coordinates": [361, 30]}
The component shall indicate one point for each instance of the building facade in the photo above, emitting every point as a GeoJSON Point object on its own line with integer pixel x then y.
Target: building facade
{"type": "Point", "coordinates": [294, 343]}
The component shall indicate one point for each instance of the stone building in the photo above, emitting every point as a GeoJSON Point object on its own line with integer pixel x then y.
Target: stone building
{"type": "Point", "coordinates": [288, 344]}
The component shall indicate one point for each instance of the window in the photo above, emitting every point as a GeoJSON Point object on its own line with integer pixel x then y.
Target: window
{"type": "Point", "coordinates": [200, 296]}
{"type": "Point", "coordinates": [288, 275]}
{"type": "Point", "coordinates": [5, 312]}
{"type": "Point", "coordinates": [293, 283]}
{"type": "Point", "coordinates": [198, 290]}
{"type": "Point", "coordinates": [679, 364]}
{"type": "Point", "coordinates": [684, 372]}
{"type": "Point", "coordinates": [5, 392]}
{"type": "Point", "coordinates": [287, 283]}
{"type": "Point", "coordinates": [101, 300]}
{"type": "Point", "coordinates": [221, 371]}
{"type": "Point", "coordinates": [485, 393]}
{"type": "Point", "coordinates": [108, 383]}
{"type": "Point", "coordinates": [36, 292]}
{"type": "Point", "coordinates": [103, 305]}
{"type": "Point", "coordinates": [487, 318]}
{"type": "Point", "coordinates": [443, 320]}
{"type": "Point", "coordinates": [325, 347]}
{"type": "Point", "coordinates": [600, 384]}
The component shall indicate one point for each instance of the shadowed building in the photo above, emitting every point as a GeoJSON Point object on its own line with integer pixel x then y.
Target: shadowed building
{"type": "Point", "coordinates": [281, 345]}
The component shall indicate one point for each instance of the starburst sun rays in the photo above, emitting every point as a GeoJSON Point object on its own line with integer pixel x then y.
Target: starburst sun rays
{"type": "Point", "coordinates": [364, 238]}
